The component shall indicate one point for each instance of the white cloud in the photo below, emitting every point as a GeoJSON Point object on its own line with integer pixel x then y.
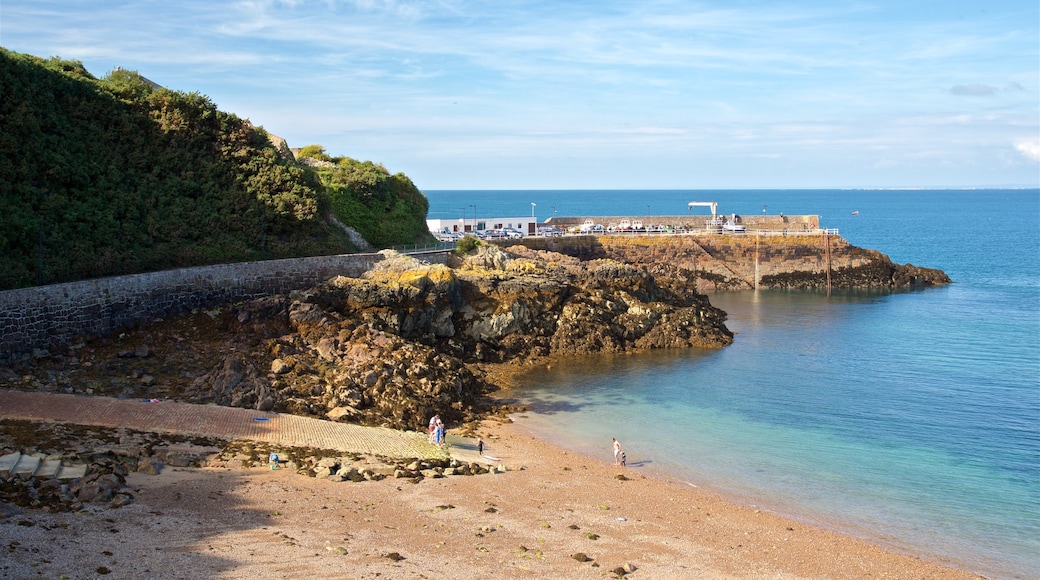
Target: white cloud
{"type": "Point", "coordinates": [1029, 148]}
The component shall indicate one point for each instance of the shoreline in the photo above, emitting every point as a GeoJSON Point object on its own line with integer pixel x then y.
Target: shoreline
{"type": "Point", "coordinates": [744, 503]}
{"type": "Point", "coordinates": [553, 513]}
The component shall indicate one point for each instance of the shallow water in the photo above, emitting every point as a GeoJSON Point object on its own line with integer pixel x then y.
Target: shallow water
{"type": "Point", "coordinates": [911, 418]}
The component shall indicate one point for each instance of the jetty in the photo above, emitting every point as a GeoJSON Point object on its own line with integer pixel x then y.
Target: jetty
{"type": "Point", "coordinates": [769, 225]}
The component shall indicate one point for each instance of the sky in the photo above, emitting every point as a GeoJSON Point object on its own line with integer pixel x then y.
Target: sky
{"type": "Point", "coordinates": [597, 94]}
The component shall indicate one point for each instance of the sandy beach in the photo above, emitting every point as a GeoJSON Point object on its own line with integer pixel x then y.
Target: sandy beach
{"type": "Point", "coordinates": [552, 514]}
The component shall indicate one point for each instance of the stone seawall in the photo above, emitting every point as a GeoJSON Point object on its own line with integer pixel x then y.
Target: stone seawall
{"type": "Point", "coordinates": [745, 262]}
{"type": "Point", "coordinates": [34, 320]}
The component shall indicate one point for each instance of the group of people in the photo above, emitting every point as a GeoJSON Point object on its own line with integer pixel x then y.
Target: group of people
{"type": "Point", "coordinates": [436, 430]}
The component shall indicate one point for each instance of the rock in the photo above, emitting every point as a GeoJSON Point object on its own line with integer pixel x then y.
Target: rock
{"type": "Point", "coordinates": [150, 467]}
{"type": "Point", "coordinates": [8, 510]}
{"type": "Point", "coordinates": [180, 459]}
{"type": "Point", "coordinates": [120, 500]}
{"type": "Point", "coordinates": [330, 463]}
{"type": "Point", "coordinates": [396, 557]}
{"type": "Point", "coordinates": [353, 475]}
{"type": "Point", "coordinates": [581, 557]}
{"type": "Point", "coordinates": [266, 404]}
{"type": "Point", "coordinates": [280, 367]}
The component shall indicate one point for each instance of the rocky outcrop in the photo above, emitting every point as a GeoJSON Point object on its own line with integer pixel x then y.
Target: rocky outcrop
{"type": "Point", "coordinates": [738, 262]}
{"type": "Point", "coordinates": [400, 344]}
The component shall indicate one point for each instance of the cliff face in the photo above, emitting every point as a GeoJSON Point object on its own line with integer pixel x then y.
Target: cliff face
{"type": "Point", "coordinates": [737, 262]}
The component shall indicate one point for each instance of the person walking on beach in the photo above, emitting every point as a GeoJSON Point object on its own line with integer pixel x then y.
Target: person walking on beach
{"type": "Point", "coordinates": [433, 428]}
{"type": "Point", "coordinates": [439, 432]}
{"type": "Point", "coordinates": [480, 446]}
{"type": "Point", "coordinates": [617, 451]}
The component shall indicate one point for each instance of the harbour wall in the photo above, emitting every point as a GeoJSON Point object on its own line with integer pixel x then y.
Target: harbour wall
{"type": "Point", "coordinates": [35, 320]}
{"type": "Point", "coordinates": [696, 223]}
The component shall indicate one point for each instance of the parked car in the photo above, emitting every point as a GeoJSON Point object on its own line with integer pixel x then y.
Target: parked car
{"type": "Point", "coordinates": [550, 231]}
{"type": "Point", "coordinates": [513, 233]}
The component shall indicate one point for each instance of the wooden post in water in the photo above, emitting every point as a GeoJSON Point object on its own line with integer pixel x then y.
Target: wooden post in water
{"type": "Point", "coordinates": [758, 238]}
{"type": "Point", "coordinates": [827, 239]}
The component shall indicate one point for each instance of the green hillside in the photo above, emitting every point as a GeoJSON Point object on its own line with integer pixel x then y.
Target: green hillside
{"type": "Point", "coordinates": [384, 208]}
{"type": "Point", "coordinates": [111, 176]}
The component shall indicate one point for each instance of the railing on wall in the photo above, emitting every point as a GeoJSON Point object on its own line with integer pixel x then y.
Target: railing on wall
{"type": "Point", "coordinates": [420, 248]}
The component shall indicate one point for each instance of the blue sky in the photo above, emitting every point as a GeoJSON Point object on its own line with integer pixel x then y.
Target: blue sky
{"type": "Point", "coordinates": [503, 94]}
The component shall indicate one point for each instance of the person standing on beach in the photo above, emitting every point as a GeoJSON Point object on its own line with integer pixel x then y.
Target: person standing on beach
{"type": "Point", "coordinates": [617, 451]}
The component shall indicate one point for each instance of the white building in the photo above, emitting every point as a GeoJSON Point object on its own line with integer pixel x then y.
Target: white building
{"type": "Point", "coordinates": [527, 225]}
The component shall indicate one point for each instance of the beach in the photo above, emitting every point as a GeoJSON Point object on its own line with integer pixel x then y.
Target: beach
{"type": "Point", "coordinates": [553, 513]}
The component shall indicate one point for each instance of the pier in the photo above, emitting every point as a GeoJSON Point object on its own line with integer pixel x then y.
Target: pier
{"type": "Point", "coordinates": [690, 224]}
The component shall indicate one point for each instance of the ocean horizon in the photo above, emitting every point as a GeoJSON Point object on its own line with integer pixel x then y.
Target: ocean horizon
{"type": "Point", "coordinates": [909, 418]}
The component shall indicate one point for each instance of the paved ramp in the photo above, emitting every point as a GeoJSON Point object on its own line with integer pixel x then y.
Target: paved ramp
{"type": "Point", "coordinates": [227, 423]}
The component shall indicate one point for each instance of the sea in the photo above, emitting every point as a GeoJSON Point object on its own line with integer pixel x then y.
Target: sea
{"type": "Point", "coordinates": [908, 418]}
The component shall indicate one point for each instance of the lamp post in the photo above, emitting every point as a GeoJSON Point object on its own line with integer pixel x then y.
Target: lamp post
{"type": "Point", "coordinates": [532, 209]}
{"type": "Point", "coordinates": [474, 217]}
{"type": "Point", "coordinates": [463, 219]}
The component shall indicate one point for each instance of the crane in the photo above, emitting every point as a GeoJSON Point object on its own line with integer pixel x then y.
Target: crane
{"type": "Point", "coordinates": [713, 205]}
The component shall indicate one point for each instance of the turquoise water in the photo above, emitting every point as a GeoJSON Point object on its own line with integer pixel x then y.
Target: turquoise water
{"type": "Point", "coordinates": [910, 418]}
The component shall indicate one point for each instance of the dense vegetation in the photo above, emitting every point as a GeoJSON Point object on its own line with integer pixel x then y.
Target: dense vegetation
{"type": "Point", "coordinates": [113, 176]}
{"type": "Point", "coordinates": [384, 208]}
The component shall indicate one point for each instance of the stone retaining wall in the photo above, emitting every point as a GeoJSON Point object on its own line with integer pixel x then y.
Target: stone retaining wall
{"type": "Point", "coordinates": [33, 320]}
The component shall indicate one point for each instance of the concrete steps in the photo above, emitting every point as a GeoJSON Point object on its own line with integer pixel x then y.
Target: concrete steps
{"type": "Point", "coordinates": [39, 467]}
